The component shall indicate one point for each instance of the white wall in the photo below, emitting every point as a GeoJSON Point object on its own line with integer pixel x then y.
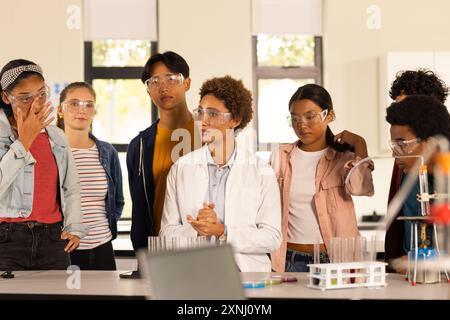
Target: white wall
{"type": "Point", "coordinates": [214, 36]}
{"type": "Point", "coordinates": [351, 66]}
{"type": "Point", "coordinates": [37, 31]}
{"type": "Point", "coordinates": [351, 52]}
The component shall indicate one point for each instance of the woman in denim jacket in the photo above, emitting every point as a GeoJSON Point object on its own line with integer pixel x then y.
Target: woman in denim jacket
{"type": "Point", "coordinates": [40, 215]}
{"type": "Point", "coordinates": [100, 175]}
{"type": "Point", "coordinates": [316, 202]}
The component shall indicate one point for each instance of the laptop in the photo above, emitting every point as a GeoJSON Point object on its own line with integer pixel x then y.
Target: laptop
{"type": "Point", "coordinates": [208, 273]}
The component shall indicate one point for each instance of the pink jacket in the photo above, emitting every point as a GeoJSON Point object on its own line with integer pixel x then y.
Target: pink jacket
{"type": "Point", "coordinates": [335, 209]}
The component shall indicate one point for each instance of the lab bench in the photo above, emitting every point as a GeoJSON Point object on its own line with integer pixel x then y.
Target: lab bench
{"type": "Point", "coordinates": [108, 285]}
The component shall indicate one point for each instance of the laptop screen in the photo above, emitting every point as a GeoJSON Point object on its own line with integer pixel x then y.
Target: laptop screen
{"type": "Point", "coordinates": [208, 273]}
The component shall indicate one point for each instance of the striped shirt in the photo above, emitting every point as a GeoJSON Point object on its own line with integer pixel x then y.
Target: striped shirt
{"type": "Point", "coordinates": [94, 187]}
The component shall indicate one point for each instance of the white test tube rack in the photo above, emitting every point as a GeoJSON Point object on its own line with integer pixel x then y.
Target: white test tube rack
{"type": "Point", "coordinates": [325, 276]}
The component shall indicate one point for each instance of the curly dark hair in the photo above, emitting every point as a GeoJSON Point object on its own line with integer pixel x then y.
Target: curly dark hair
{"type": "Point", "coordinates": [422, 81]}
{"type": "Point", "coordinates": [424, 115]}
{"type": "Point", "coordinates": [236, 97]}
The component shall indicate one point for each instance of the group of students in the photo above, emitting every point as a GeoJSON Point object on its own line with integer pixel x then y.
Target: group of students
{"type": "Point", "coordinates": [61, 191]}
{"type": "Point", "coordinates": [417, 116]}
{"type": "Point", "coordinates": [220, 189]}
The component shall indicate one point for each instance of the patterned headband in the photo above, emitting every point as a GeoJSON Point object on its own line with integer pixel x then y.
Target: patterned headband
{"type": "Point", "coordinates": [12, 74]}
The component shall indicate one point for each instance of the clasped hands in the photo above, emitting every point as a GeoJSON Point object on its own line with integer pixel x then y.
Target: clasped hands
{"type": "Point", "coordinates": [206, 223]}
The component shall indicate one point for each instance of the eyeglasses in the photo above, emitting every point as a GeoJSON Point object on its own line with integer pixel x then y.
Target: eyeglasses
{"type": "Point", "coordinates": [76, 105]}
{"type": "Point", "coordinates": [309, 118]}
{"type": "Point", "coordinates": [403, 147]}
{"type": "Point", "coordinates": [27, 99]}
{"type": "Point", "coordinates": [213, 115]}
{"type": "Point", "coordinates": [169, 79]}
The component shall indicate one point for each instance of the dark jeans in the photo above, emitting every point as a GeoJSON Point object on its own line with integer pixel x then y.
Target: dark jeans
{"type": "Point", "coordinates": [32, 246]}
{"type": "Point", "coordinates": [297, 261]}
{"type": "Point", "coordinates": [98, 258]}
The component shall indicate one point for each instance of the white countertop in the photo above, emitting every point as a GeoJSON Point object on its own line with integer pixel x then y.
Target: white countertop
{"type": "Point", "coordinates": [108, 284]}
{"type": "Point", "coordinates": [397, 288]}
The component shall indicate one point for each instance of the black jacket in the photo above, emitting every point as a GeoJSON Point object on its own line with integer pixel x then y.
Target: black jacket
{"type": "Point", "coordinates": [140, 178]}
{"type": "Point", "coordinates": [393, 241]}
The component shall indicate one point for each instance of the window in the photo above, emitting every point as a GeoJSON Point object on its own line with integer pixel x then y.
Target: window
{"type": "Point", "coordinates": [114, 68]}
{"type": "Point", "coordinates": [120, 53]}
{"type": "Point", "coordinates": [282, 64]}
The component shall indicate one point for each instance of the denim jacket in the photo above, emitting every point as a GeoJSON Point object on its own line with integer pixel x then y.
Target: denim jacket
{"type": "Point", "coordinates": [17, 177]}
{"type": "Point", "coordinates": [109, 160]}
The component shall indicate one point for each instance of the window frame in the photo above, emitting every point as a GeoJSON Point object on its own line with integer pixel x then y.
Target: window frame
{"type": "Point", "coordinates": [92, 73]}
{"type": "Point", "coordinates": [292, 72]}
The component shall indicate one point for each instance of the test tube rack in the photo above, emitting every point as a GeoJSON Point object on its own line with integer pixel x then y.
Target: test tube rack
{"type": "Point", "coordinates": [325, 276]}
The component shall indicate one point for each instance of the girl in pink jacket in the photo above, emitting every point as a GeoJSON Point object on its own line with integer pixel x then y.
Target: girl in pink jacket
{"type": "Point", "coordinates": [316, 201]}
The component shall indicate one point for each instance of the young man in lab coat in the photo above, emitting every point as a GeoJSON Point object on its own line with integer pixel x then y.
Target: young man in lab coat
{"type": "Point", "coordinates": [222, 190]}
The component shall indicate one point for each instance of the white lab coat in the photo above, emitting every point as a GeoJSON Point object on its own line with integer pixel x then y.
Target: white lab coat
{"type": "Point", "coordinates": [252, 205]}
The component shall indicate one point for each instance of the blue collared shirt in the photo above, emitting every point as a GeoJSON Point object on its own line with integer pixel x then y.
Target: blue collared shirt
{"type": "Point", "coordinates": [411, 208]}
{"type": "Point", "coordinates": [217, 183]}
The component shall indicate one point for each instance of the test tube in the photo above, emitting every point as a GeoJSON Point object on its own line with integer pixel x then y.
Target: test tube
{"type": "Point", "coordinates": [175, 245]}
{"type": "Point", "coordinates": [163, 241]}
{"type": "Point", "coordinates": [335, 250]}
{"type": "Point", "coordinates": [371, 249]}
{"type": "Point", "coordinates": [152, 244]}
{"type": "Point", "coordinates": [345, 255]}
{"type": "Point", "coordinates": [335, 254]}
{"type": "Point", "coordinates": [423, 186]}
{"type": "Point", "coordinates": [359, 256]}
{"type": "Point", "coordinates": [316, 253]}
{"type": "Point", "coordinates": [359, 249]}
{"type": "Point", "coordinates": [168, 242]}
{"type": "Point", "coordinates": [316, 281]}
{"type": "Point", "coordinates": [351, 255]}
{"type": "Point", "coordinates": [442, 186]}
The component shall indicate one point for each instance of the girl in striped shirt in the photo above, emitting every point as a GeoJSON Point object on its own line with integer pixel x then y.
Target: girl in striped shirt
{"type": "Point", "coordinates": [100, 175]}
